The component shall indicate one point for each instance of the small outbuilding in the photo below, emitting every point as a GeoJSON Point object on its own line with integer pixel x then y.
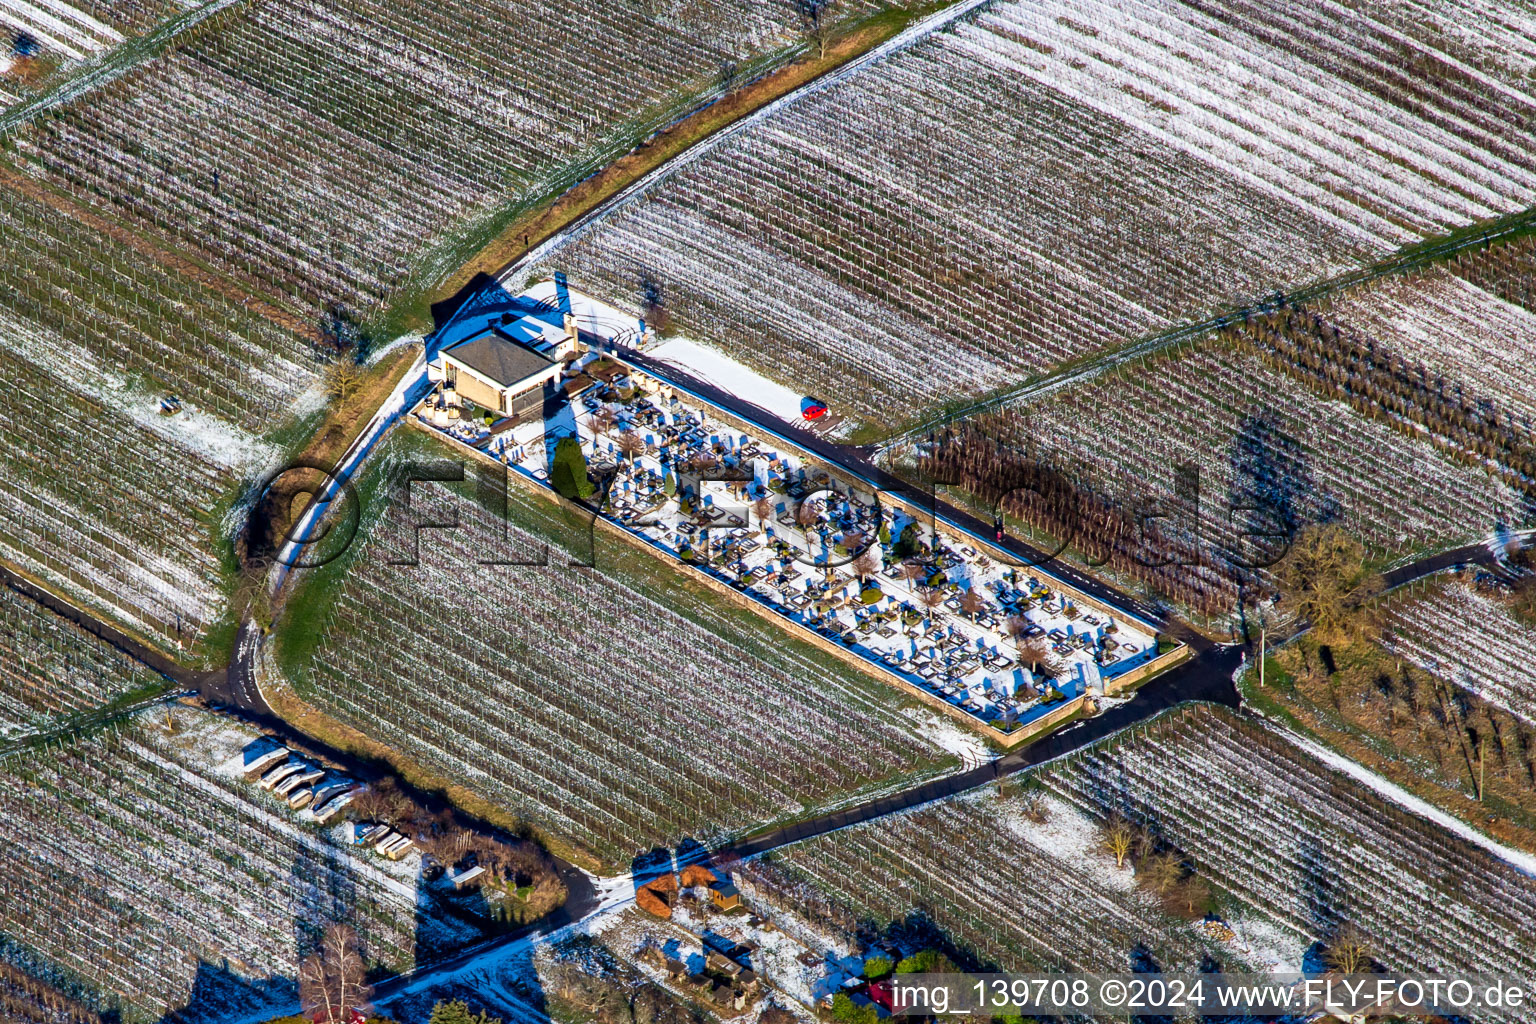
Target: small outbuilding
{"type": "Point", "coordinates": [725, 895]}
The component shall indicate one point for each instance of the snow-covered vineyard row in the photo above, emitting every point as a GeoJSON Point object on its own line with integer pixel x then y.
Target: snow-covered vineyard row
{"type": "Point", "coordinates": [50, 667]}
{"type": "Point", "coordinates": [141, 319]}
{"type": "Point", "coordinates": [1471, 640]}
{"type": "Point", "coordinates": [1044, 179]}
{"type": "Point", "coordinates": [702, 720]}
{"type": "Point", "coordinates": [1458, 330]}
{"type": "Point", "coordinates": [323, 145]}
{"type": "Point", "coordinates": [1258, 436]}
{"type": "Point", "coordinates": [170, 868]}
{"type": "Point", "coordinates": [108, 511]}
{"type": "Point", "coordinates": [1293, 838]}
{"type": "Point", "coordinates": [57, 27]}
{"type": "Point", "coordinates": [104, 496]}
{"type": "Point", "coordinates": [1019, 894]}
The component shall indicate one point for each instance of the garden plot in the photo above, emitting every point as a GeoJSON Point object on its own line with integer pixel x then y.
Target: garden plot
{"type": "Point", "coordinates": [50, 668]}
{"type": "Point", "coordinates": [105, 497]}
{"type": "Point", "coordinates": [180, 876]}
{"type": "Point", "coordinates": [1471, 640]}
{"type": "Point", "coordinates": [616, 707]}
{"type": "Point", "coordinates": [1013, 892]}
{"type": "Point", "coordinates": [1300, 842]}
{"type": "Point", "coordinates": [1040, 181]}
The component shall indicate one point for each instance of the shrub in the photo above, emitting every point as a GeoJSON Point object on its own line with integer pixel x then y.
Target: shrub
{"type": "Point", "coordinates": [906, 542]}
{"type": "Point", "coordinates": [871, 594]}
{"type": "Point", "coordinates": [877, 967]}
{"type": "Point", "coordinates": [568, 474]}
{"type": "Point", "coordinates": [846, 1010]}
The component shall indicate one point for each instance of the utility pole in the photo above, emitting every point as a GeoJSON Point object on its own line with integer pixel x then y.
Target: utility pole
{"type": "Point", "coordinates": [1482, 766]}
{"type": "Point", "coordinates": [1261, 649]}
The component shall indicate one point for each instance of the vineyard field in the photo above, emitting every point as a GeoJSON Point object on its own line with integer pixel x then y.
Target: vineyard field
{"type": "Point", "coordinates": [1468, 639]}
{"type": "Point", "coordinates": [1469, 336]}
{"type": "Point", "coordinates": [1012, 892]}
{"type": "Point", "coordinates": [195, 225]}
{"type": "Point", "coordinates": [1036, 182]}
{"type": "Point", "coordinates": [106, 499]}
{"type": "Point", "coordinates": [615, 708]}
{"type": "Point", "coordinates": [1256, 436]}
{"type": "Point", "coordinates": [1286, 834]}
{"type": "Point", "coordinates": [321, 147]}
{"type": "Point", "coordinates": [50, 668]}
{"type": "Point", "coordinates": [1295, 849]}
{"type": "Point", "coordinates": [183, 879]}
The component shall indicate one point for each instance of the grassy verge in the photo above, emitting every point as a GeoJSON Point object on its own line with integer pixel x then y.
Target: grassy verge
{"type": "Point", "coordinates": [519, 227]}
{"type": "Point", "coordinates": [1351, 711]}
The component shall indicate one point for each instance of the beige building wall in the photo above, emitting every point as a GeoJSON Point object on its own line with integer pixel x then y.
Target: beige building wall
{"type": "Point", "coordinates": [476, 390]}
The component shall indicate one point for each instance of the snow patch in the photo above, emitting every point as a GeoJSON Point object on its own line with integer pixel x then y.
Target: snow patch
{"type": "Point", "coordinates": [1068, 835]}
{"type": "Point", "coordinates": [714, 366]}
{"type": "Point", "coordinates": [946, 735]}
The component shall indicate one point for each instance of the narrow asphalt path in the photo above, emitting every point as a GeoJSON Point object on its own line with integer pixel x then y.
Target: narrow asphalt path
{"type": "Point", "coordinates": [192, 679]}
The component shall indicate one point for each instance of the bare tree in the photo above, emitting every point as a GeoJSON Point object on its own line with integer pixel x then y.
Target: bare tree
{"type": "Point", "coordinates": [972, 603]}
{"type": "Point", "coordinates": [1162, 872]}
{"type": "Point", "coordinates": [1036, 653]}
{"type": "Point", "coordinates": [1323, 579]}
{"type": "Point", "coordinates": [816, 22]}
{"type": "Point", "coordinates": [1146, 843]}
{"type": "Point", "coordinates": [382, 801]}
{"type": "Point", "coordinates": [1193, 894]}
{"type": "Point", "coordinates": [600, 422]}
{"type": "Point", "coordinates": [866, 565]}
{"type": "Point", "coordinates": [631, 444]}
{"type": "Point", "coordinates": [808, 514]}
{"type": "Point", "coordinates": [1348, 952]}
{"type": "Point", "coordinates": [1117, 837]}
{"type": "Point", "coordinates": [762, 508]}
{"type": "Point", "coordinates": [914, 572]}
{"type": "Point", "coordinates": [332, 979]}
{"type": "Point", "coordinates": [342, 379]}
{"type": "Point", "coordinates": [932, 598]}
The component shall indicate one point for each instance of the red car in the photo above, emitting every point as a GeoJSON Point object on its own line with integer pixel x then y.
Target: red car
{"type": "Point", "coordinates": [812, 408]}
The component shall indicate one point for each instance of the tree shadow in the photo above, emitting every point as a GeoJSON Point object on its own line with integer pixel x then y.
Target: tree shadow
{"type": "Point", "coordinates": [1273, 491]}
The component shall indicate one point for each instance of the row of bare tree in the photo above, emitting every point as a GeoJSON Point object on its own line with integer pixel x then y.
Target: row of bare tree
{"type": "Point", "coordinates": [1105, 530]}
{"type": "Point", "coordinates": [1383, 385]}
